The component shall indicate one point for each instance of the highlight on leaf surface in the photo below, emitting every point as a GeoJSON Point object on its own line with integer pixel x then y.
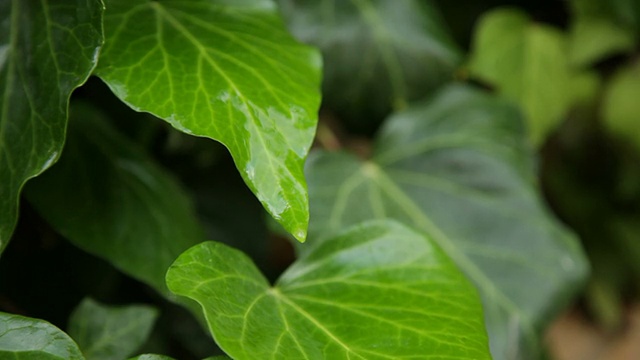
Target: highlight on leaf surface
{"type": "Point", "coordinates": [229, 71]}
{"type": "Point", "coordinates": [379, 290]}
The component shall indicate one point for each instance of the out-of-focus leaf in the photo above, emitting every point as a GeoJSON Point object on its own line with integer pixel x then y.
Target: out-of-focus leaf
{"type": "Point", "coordinates": [375, 291]}
{"type": "Point", "coordinates": [585, 86]}
{"type": "Point", "coordinates": [227, 70]}
{"type": "Point", "coordinates": [378, 54]}
{"type": "Point", "coordinates": [110, 333]}
{"type": "Point", "coordinates": [23, 338]}
{"type": "Point", "coordinates": [593, 39]}
{"type": "Point", "coordinates": [621, 107]}
{"type": "Point", "coordinates": [456, 168]}
{"type": "Point", "coordinates": [109, 198]}
{"type": "Point", "coordinates": [623, 13]}
{"type": "Point", "coordinates": [528, 63]}
{"type": "Point", "coordinates": [47, 49]}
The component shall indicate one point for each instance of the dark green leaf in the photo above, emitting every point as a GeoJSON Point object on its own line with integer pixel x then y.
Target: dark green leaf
{"type": "Point", "coordinates": [110, 199]}
{"type": "Point", "coordinates": [455, 167]}
{"type": "Point", "coordinates": [623, 13]}
{"type": "Point", "coordinates": [23, 338]}
{"type": "Point", "coordinates": [110, 333]}
{"type": "Point", "coordinates": [621, 108]}
{"type": "Point", "coordinates": [151, 357]}
{"type": "Point", "coordinates": [376, 291]}
{"type": "Point", "coordinates": [47, 49]}
{"type": "Point", "coordinates": [227, 70]}
{"type": "Point", "coordinates": [378, 54]}
{"type": "Point", "coordinates": [528, 63]}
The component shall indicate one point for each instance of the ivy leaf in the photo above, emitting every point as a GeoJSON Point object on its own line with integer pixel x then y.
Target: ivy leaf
{"type": "Point", "coordinates": [151, 357]}
{"type": "Point", "coordinates": [528, 63]}
{"type": "Point", "coordinates": [376, 291]}
{"type": "Point", "coordinates": [46, 51]}
{"type": "Point", "coordinates": [110, 333]}
{"type": "Point", "coordinates": [110, 199]}
{"type": "Point", "coordinates": [593, 39]}
{"type": "Point", "coordinates": [23, 338]}
{"type": "Point", "coordinates": [621, 107]}
{"type": "Point", "coordinates": [378, 54]}
{"type": "Point", "coordinates": [455, 168]}
{"type": "Point", "coordinates": [228, 71]}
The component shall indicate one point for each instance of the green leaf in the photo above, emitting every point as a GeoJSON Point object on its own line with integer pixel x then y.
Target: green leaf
{"type": "Point", "coordinates": [376, 291]}
{"type": "Point", "coordinates": [227, 70]}
{"type": "Point", "coordinates": [623, 13]}
{"type": "Point", "coordinates": [112, 200]}
{"type": "Point", "coordinates": [621, 107]}
{"type": "Point", "coordinates": [23, 338]}
{"type": "Point", "coordinates": [46, 51]}
{"type": "Point", "coordinates": [378, 54]}
{"type": "Point", "coordinates": [110, 333]}
{"type": "Point", "coordinates": [151, 357]}
{"type": "Point", "coordinates": [594, 39]}
{"type": "Point", "coordinates": [528, 63]}
{"type": "Point", "coordinates": [455, 167]}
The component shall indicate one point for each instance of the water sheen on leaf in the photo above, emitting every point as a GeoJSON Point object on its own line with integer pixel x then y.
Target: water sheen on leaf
{"type": "Point", "coordinates": [455, 167]}
{"type": "Point", "coordinates": [23, 338]}
{"type": "Point", "coordinates": [227, 70]}
{"type": "Point", "coordinates": [111, 199]}
{"type": "Point", "coordinates": [375, 291]}
{"type": "Point", "coordinates": [47, 49]}
{"type": "Point", "coordinates": [378, 54]}
{"type": "Point", "coordinates": [110, 333]}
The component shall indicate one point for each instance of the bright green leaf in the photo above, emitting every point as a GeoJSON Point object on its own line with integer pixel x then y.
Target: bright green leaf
{"type": "Point", "coordinates": [378, 54]}
{"type": "Point", "coordinates": [376, 291]}
{"type": "Point", "coordinates": [23, 338]}
{"type": "Point", "coordinates": [621, 107]}
{"type": "Point", "coordinates": [455, 167]}
{"type": "Point", "coordinates": [47, 49]}
{"type": "Point", "coordinates": [528, 63]}
{"type": "Point", "coordinates": [227, 70]}
{"type": "Point", "coordinates": [109, 198]}
{"type": "Point", "coordinates": [594, 39]}
{"type": "Point", "coordinates": [110, 333]}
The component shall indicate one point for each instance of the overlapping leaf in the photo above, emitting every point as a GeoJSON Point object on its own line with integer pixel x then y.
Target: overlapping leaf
{"type": "Point", "coordinates": [227, 70]}
{"type": "Point", "coordinates": [376, 291]}
{"type": "Point", "coordinates": [378, 54]}
{"type": "Point", "coordinates": [526, 62]}
{"type": "Point", "coordinates": [110, 333]}
{"type": "Point", "coordinates": [109, 198]}
{"type": "Point", "coordinates": [456, 169]}
{"type": "Point", "coordinates": [23, 338]}
{"type": "Point", "coordinates": [46, 50]}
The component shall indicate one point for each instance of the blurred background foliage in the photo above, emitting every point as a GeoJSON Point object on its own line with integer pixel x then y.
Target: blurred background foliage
{"type": "Point", "coordinates": [573, 67]}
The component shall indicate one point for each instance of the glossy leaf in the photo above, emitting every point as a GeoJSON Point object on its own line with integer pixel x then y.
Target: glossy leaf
{"type": "Point", "coordinates": [526, 62]}
{"type": "Point", "coordinates": [378, 54]}
{"type": "Point", "coordinates": [110, 333]}
{"type": "Point", "coordinates": [227, 70]}
{"type": "Point", "coordinates": [46, 51]}
{"type": "Point", "coordinates": [621, 108]}
{"type": "Point", "coordinates": [376, 291]}
{"type": "Point", "coordinates": [111, 199]}
{"type": "Point", "coordinates": [23, 338]}
{"type": "Point", "coordinates": [151, 357]}
{"type": "Point", "coordinates": [455, 168]}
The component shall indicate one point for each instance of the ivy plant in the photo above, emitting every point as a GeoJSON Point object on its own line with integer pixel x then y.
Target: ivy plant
{"type": "Point", "coordinates": [167, 148]}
